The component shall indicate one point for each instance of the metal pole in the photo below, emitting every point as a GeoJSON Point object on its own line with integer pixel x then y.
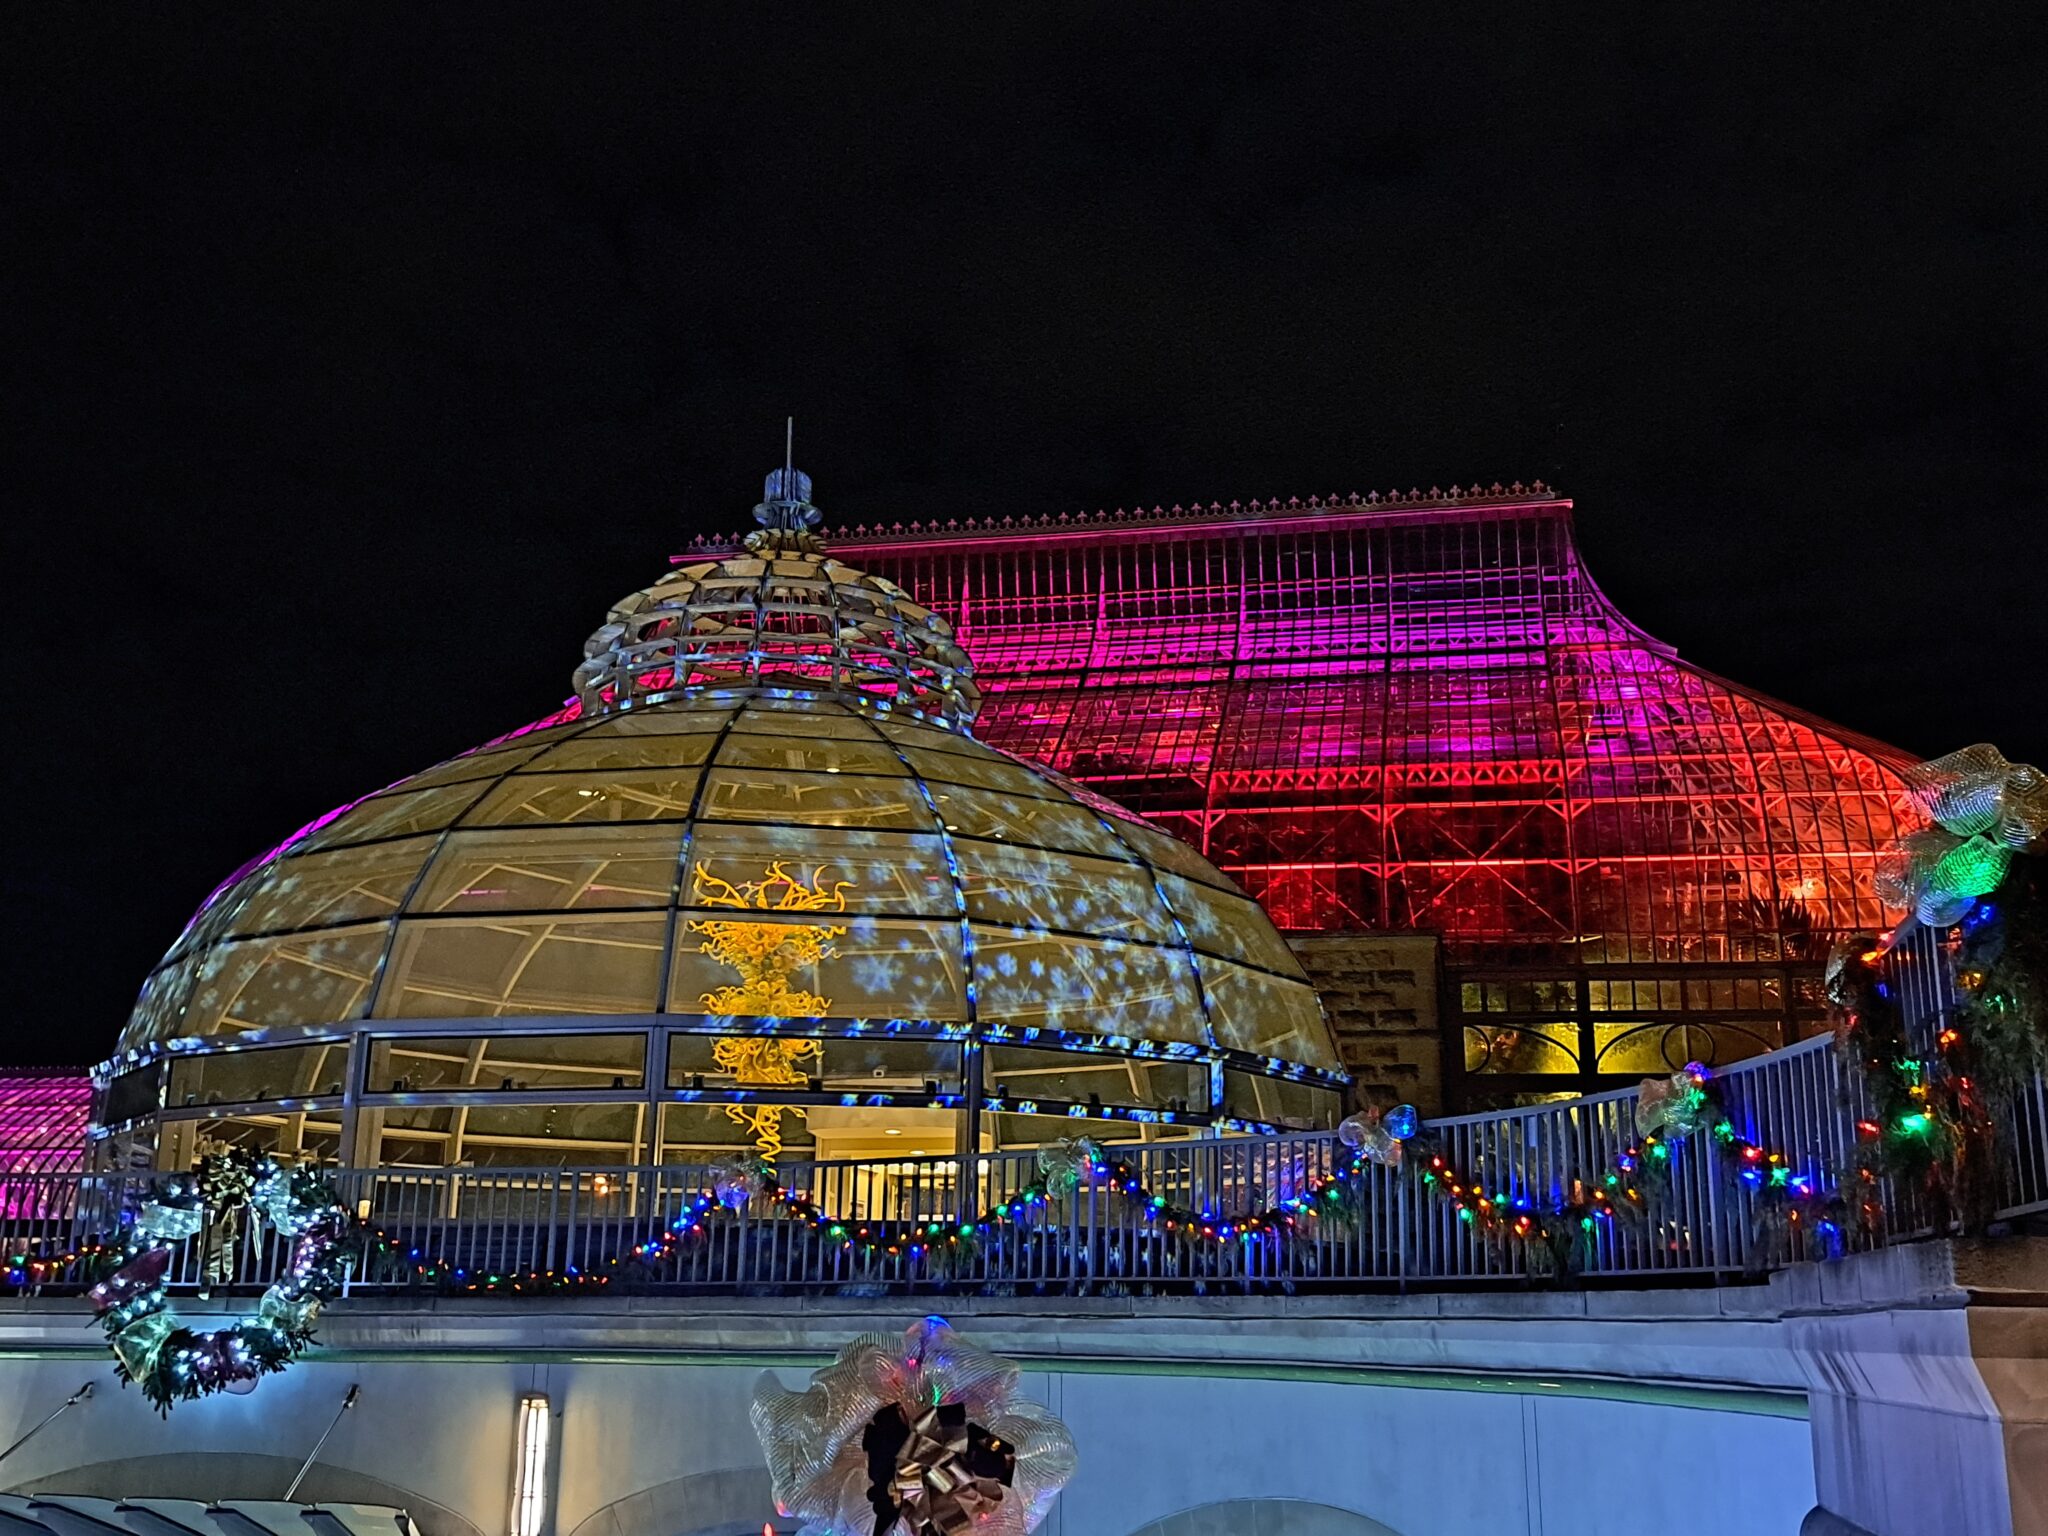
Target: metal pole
{"type": "Point", "coordinates": [347, 1403]}
{"type": "Point", "coordinates": [70, 1402]}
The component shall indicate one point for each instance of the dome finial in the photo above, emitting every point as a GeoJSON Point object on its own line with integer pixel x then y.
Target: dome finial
{"type": "Point", "coordinates": [786, 499]}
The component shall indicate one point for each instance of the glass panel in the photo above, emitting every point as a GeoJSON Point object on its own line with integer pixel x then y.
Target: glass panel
{"type": "Point", "coordinates": [871, 1062]}
{"type": "Point", "coordinates": [314, 978]}
{"type": "Point", "coordinates": [314, 889]}
{"type": "Point", "coordinates": [1274, 1101]}
{"type": "Point", "coordinates": [517, 1135]}
{"type": "Point", "coordinates": [505, 1063]}
{"type": "Point", "coordinates": [1648, 1050]}
{"type": "Point", "coordinates": [1522, 1048]}
{"type": "Point", "coordinates": [129, 1096]}
{"type": "Point", "coordinates": [677, 717]}
{"type": "Point", "coordinates": [1031, 888]}
{"type": "Point", "coordinates": [1156, 848]}
{"type": "Point", "coordinates": [542, 869]}
{"type": "Point", "coordinates": [1098, 986]}
{"type": "Point", "coordinates": [1018, 1072]}
{"type": "Point", "coordinates": [927, 737]}
{"type": "Point", "coordinates": [698, 1133]}
{"type": "Point", "coordinates": [426, 810]}
{"type": "Point", "coordinates": [160, 1011]}
{"type": "Point", "coordinates": [1016, 1131]}
{"type": "Point", "coordinates": [283, 1134]}
{"type": "Point", "coordinates": [1265, 1015]}
{"type": "Point", "coordinates": [473, 765]}
{"type": "Point", "coordinates": [652, 794]}
{"type": "Point", "coordinates": [1020, 819]}
{"type": "Point", "coordinates": [461, 968]}
{"type": "Point", "coordinates": [982, 772]}
{"type": "Point", "coordinates": [883, 872]}
{"type": "Point", "coordinates": [810, 723]}
{"type": "Point", "coordinates": [825, 799]}
{"type": "Point", "coordinates": [879, 968]}
{"type": "Point", "coordinates": [609, 751]}
{"type": "Point", "coordinates": [808, 754]}
{"type": "Point", "coordinates": [1222, 924]}
{"type": "Point", "coordinates": [250, 1077]}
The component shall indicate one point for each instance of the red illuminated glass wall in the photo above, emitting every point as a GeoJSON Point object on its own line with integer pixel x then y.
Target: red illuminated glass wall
{"type": "Point", "coordinates": [1425, 715]}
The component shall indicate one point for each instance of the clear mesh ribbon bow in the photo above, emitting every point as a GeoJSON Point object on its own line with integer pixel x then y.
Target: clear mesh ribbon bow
{"type": "Point", "coordinates": [819, 1442]}
{"type": "Point", "coordinates": [1376, 1134]}
{"type": "Point", "coordinates": [1983, 810]}
{"type": "Point", "coordinates": [1062, 1164]}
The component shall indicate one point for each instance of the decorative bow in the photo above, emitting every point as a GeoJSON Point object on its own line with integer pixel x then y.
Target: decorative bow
{"type": "Point", "coordinates": [737, 1179]}
{"type": "Point", "coordinates": [1061, 1163]}
{"type": "Point", "coordinates": [1983, 809]}
{"type": "Point", "coordinates": [1676, 1105]}
{"type": "Point", "coordinates": [935, 1472]}
{"type": "Point", "coordinates": [914, 1434]}
{"type": "Point", "coordinates": [1376, 1134]}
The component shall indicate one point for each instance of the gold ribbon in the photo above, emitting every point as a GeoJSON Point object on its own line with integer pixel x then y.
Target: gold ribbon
{"type": "Point", "coordinates": [935, 1491]}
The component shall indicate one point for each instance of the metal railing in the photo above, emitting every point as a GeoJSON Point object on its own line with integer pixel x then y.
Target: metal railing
{"type": "Point", "coordinates": [475, 1226]}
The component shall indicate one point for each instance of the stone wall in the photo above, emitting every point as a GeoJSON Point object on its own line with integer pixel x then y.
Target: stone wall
{"type": "Point", "coordinates": [1380, 994]}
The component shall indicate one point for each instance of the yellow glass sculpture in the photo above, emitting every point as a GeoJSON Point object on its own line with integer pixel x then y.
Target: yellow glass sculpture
{"type": "Point", "coordinates": [765, 954]}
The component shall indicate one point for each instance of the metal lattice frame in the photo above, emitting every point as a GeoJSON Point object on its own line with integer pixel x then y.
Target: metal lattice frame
{"type": "Point", "coordinates": [42, 1120]}
{"type": "Point", "coordinates": [1422, 713]}
{"type": "Point", "coordinates": [784, 613]}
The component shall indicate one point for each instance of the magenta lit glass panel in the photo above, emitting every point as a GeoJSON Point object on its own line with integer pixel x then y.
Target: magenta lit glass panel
{"type": "Point", "coordinates": [1414, 717]}
{"type": "Point", "coordinates": [42, 1131]}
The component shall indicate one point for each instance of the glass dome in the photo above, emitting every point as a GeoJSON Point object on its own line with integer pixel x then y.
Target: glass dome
{"type": "Point", "coordinates": [678, 890]}
{"type": "Point", "coordinates": [568, 872]}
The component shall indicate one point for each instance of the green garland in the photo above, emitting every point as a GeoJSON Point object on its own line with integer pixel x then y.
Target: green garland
{"type": "Point", "coordinates": [2001, 969]}
{"type": "Point", "coordinates": [1926, 1124]}
{"type": "Point", "coordinates": [171, 1362]}
{"type": "Point", "coordinates": [1556, 1236]}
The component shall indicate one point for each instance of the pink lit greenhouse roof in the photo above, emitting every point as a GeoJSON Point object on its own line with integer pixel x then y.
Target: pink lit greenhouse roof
{"type": "Point", "coordinates": [42, 1120]}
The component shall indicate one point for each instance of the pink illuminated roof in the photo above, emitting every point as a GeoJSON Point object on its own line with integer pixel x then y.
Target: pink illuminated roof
{"type": "Point", "coordinates": [42, 1120]}
{"type": "Point", "coordinates": [1411, 712]}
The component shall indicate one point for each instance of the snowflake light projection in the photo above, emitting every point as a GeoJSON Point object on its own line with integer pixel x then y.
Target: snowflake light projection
{"type": "Point", "coordinates": [765, 954]}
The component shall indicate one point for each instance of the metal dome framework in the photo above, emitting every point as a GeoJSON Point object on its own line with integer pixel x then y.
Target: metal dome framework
{"type": "Point", "coordinates": [758, 885]}
{"type": "Point", "coordinates": [782, 612]}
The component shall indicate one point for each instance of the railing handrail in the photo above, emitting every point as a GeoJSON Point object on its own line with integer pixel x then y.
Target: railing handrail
{"type": "Point", "coordinates": [479, 1221]}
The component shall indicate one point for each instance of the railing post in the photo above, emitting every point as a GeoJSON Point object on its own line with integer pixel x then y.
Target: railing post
{"type": "Point", "coordinates": [569, 1227]}
{"type": "Point", "coordinates": [554, 1216]}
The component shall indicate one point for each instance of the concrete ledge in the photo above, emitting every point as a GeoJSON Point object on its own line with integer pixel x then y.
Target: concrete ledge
{"type": "Point", "coordinates": [1821, 1522]}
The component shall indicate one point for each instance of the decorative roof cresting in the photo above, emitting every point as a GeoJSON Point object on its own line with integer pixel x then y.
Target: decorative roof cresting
{"type": "Point", "coordinates": [783, 613]}
{"type": "Point", "coordinates": [1416, 500]}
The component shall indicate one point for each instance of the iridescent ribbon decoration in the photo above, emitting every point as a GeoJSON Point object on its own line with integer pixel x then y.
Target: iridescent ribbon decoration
{"type": "Point", "coordinates": [737, 1179]}
{"type": "Point", "coordinates": [1983, 810]}
{"type": "Point", "coordinates": [921, 1434]}
{"type": "Point", "coordinates": [1063, 1163]}
{"type": "Point", "coordinates": [1376, 1134]}
{"type": "Point", "coordinates": [1675, 1106]}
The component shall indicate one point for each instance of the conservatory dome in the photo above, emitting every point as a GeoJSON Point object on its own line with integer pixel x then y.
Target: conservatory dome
{"type": "Point", "coordinates": [763, 819]}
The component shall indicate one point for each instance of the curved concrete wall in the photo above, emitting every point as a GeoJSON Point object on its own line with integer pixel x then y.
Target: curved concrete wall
{"type": "Point", "coordinates": [666, 1449]}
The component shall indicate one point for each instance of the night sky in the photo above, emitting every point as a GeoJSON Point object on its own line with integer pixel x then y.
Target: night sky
{"type": "Point", "coordinates": [359, 361]}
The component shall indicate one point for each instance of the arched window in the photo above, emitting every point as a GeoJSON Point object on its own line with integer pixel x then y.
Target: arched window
{"type": "Point", "coordinates": [1266, 1517]}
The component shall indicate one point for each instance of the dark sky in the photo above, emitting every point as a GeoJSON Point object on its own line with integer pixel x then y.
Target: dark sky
{"type": "Point", "coordinates": [359, 360]}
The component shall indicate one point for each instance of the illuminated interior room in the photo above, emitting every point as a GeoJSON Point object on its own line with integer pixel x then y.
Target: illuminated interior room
{"type": "Point", "coordinates": [759, 886]}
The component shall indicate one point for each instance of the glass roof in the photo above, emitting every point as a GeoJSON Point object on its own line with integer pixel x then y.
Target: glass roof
{"type": "Point", "coordinates": [42, 1122]}
{"type": "Point", "coordinates": [595, 867]}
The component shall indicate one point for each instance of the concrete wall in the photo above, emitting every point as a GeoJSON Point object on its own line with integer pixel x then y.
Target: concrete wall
{"type": "Point", "coordinates": [1379, 992]}
{"type": "Point", "coordinates": [666, 1449]}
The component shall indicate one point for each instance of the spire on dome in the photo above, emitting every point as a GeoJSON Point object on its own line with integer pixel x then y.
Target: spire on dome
{"type": "Point", "coordinates": [785, 514]}
{"type": "Point", "coordinates": [784, 614]}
